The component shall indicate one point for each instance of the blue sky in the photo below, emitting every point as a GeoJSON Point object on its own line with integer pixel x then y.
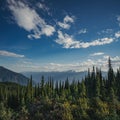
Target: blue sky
{"type": "Point", "coordinates": [59, 35]}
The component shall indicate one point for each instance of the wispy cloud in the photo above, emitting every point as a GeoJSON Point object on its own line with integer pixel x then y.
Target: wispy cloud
{"type": "Point", "coordinates": [29, 19]}
{"type": "Point", "coordinates": [68, 41]}
{"type": "Point", "coordinates": [84, 65]}
{"type": "Point", "coordinates": [114, 59]}
{"type": "Point", "coordinates": [101, 62]}
{"type": "Point", "coordinates": [106, 31]}
{"type": "Point", "coordinates": [43, 7]}
{"type": "Point", "coordinates": [66, 22]}
{"type": "Point", "coordinates": [117, 34]}
{"type": "Point", "coordinates": [68, 19]}
{"type": "Point", "coordinates": [97, 54]}
{"type": "Point", "coordinates": [64, 25]}
{"type": "Point", "coordinates": [82, 31]}
{"type": "Point", "coordinates": [10, 54]}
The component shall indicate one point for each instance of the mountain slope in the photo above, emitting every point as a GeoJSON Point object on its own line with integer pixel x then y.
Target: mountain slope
{"type": "Point", "coordinates": [10, 76]}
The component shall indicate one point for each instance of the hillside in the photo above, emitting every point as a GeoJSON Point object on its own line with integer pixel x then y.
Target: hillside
{"type": "Point", "coordinates": [7, 75]}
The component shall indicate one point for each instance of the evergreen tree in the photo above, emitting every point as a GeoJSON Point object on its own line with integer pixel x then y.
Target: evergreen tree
{"type": "Point", "coordinates": [118, 83]}
{"type": "Point", "coordinates": [42, 86]}
{"type": "Point", "coordinates": [93, 82]}
{"type": "Point", "coordinates": [30, 89]}
{"type": "Point", "coordinates": [97, 83]}
{"type": "Point", "coordinates": [83, 90]}
{"type": "Point", "coordinates": [110, 75]}
{"type": "Point", "coordinates": [67, 86]}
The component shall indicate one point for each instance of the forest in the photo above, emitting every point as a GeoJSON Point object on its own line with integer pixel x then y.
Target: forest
{"type": "Point", "coordinates": [93, 98]}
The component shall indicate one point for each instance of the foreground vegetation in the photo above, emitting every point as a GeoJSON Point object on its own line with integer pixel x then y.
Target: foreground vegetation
{"type": "Point", "coordinates": [93, 98]}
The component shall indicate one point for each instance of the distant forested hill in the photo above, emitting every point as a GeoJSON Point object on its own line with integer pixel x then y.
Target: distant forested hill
{"type": "Point", "coordinates": [10, 76]}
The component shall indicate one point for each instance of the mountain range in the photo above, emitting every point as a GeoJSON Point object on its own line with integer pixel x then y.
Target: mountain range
{"type": "Point", "coordinates": [7, 75]}
{"type": "Point", "coordinates": [56, 76]}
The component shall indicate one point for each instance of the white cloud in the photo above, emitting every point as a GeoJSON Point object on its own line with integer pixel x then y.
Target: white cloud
{"type": "Point", "coordinates": [29, 19]}
{"type": "Point", "coordinates": [48, 30]}
{"type": "Point", "coordinates": [106, 57]}
{"type": "Point", "coordinates": [64, 25]}
{"type": "Point", "coordinates": [79, 66]}
{"type": "Point", "coordinates": [66, 22]}
{"type": "Point", "coordinates": [68, 41]}
{"type": "Point", "coordinates": [102, 63]}
{"type": "Point", "coordinates": [63, 67]}
{"type": "Point", "coordinates": [82, 31]}
{"type": "Point", "coordinates": [68, 19]}
{"type": "Point", "coordinates": [97, 54]}
{"type": "Point", "coordinates": [117, 34]}
{"type": "Point", "coordinates": [116, 58]}
{"type": "Point", "coordinates": [113, 59]}
{"type": "Point", "coordinates": [10, 54]}
{"type": "Point", "coordinates": [97, 42]}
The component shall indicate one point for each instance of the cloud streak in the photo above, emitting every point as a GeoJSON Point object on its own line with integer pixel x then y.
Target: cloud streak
{"type": "Point", "coordinates": [68, 41]}
{"type": "Point", "coordinates": [97, 54]}
{"type": "Point", "coordinates": [28, 19]}
{"type": "Point", "coordinates": [10, 54]}
{"type": "Point", "coordinates": [82, 31]}
{"type": "Point", "coordinates": [106, 31]}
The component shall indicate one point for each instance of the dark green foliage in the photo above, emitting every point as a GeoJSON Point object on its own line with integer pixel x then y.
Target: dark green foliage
{"type": "Point", "coordinates": [93, 98]}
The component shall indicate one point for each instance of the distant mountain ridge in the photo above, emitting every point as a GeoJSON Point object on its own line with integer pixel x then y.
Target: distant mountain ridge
{"type": "Point", "coordinates": [7, 75]}
{"type": "Point", "coordinates": [57, 76]}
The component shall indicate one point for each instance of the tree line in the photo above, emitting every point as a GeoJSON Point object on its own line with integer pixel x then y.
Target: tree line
{"type": "Point", "coordinates": [93, 98]}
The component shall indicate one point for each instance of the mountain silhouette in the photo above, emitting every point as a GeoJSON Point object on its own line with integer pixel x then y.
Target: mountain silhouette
{"type": "Point", "coordinates": [7, 75]}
